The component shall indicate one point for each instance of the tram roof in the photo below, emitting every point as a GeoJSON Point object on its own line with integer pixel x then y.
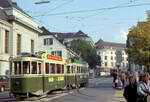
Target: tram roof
{"type": "Point", "coordinates": [20, 58]}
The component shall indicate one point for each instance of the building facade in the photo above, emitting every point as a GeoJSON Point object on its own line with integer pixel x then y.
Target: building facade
{"type": "Point", "coordinates": [50, 44]}
{"type": "Point", "coordinates": [18, 33]}
{"type": "Point", "coordinates": [112, 55]}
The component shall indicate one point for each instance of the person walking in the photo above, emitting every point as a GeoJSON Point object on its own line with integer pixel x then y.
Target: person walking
{"type": "Point", "coordinates": [115, 75]}
{"type": "Point", "coordinates": [143, 88]}
{"type": "Point", "coordinates": [130, 91]}
{"type": "Point", "coordinates": [123, 78]}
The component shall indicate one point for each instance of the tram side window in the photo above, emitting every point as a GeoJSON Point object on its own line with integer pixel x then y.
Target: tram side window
{"type": "Point", "coordinates": [82, 70]}
{"type": "Point", "coordinates": [40, 71]}
{"type": "Point", "coordinates": [34, 67]}
{"type": "Point", "coordinates": [72, 69]}
{"type": "Point", "coordinates": [58, 68]}
{"type": "Point", "coordinates": [47, 68]}
{"type": "Point", "coordinates": [15, 67]}
{"type": "Point", "coordinates": [68, 69]}
{"type": "Point", "coordinates": [52, 68]}
{"type": "Point", "coordinates": [78, 70]}
{"type": "Point", "coordinates": [62, 68]}
{"type": "Point", "coordinates": [26, 67]}
{"type": "Point", "coordinates": [19, 67]}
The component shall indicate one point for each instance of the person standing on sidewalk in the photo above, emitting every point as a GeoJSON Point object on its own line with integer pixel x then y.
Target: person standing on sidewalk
{"type": "Point", "coordinates": [130, 91]}
{"type": "Point", "coordinates": [143, 88]}
{"type": "Point", "coordinates": [123, 78]}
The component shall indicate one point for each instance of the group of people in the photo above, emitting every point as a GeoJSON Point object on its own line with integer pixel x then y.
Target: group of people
{"type": "Point", "coordinates": [134, 91]}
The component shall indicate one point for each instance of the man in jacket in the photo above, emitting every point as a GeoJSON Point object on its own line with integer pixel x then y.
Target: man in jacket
{"type": "Point", "coordinates": [130, 91]}
{"type": "Point", "coordinates": [143, 88]}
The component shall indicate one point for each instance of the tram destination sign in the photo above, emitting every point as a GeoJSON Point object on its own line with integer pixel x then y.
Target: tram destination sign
{"type": "Point", "coordinates": [51, 57]}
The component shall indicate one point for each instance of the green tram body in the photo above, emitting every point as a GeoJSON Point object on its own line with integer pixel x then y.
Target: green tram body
{"type": "Point", "coordinates": [37, 76]}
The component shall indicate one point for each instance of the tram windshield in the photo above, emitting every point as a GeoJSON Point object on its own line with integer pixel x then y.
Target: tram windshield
{"type": "Point", "coordinates": [25, 67]}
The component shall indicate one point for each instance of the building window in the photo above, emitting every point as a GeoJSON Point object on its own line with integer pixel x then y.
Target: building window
{"type": "Point", "coordinates": [32, 46]}
{"type": "Point", "coordinates": [18, 44]}
{"type": "Point", "coordinates": [57, 53]}
{"type": "Point", "coordinates": [48, 41]}
{"type": "Point", "coordinates": [105, 57]}
{"type": "Point", "coordinates": [112, 64]}
{"type": "Point", "coordinates": [6, 41]}
{"type": "Point", "coordinates": [105, 64]}
{"type": "Point", "coordinates": [111, 57]}
{"type": "Point", "coordinates": [122, 58]}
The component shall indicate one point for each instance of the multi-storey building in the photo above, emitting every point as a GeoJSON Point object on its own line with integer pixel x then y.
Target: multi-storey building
{"type": "Point", "coordinates": [112, 55]}
{"type": "Point", "coordinates": [18, 33]}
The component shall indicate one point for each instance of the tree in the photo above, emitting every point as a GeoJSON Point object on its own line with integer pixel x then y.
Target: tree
{"type": "Point", "coordinates": [139, 48]}
{"type": "Point", "coordinates": [86, 51]}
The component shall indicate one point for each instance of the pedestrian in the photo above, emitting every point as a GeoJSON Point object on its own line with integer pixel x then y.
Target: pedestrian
{"type": "Point", "coordinates": [130, 91]}
{"type": "Point", "coordinates": [115, 75]}
{"type": "Point", "coordinates": [143, 88]}
{"type": "Point", "coordinates": [123, 78]}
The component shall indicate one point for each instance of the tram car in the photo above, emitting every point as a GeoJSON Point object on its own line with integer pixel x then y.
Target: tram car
{"type": "Point", "coordinates": [32, 75]}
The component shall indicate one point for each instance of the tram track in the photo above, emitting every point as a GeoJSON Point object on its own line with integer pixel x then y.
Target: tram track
{"type": "Point", "coordinates": [49, 97]}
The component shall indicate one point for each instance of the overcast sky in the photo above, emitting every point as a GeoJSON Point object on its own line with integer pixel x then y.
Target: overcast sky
{"type": "Point", "coordinates": [109, 20]}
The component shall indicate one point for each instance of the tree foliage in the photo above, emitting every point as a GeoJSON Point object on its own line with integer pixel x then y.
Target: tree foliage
{"type": "Point", "coordinates": [86, 51]}
{"type": "Point", "coordinates": [139, 48]}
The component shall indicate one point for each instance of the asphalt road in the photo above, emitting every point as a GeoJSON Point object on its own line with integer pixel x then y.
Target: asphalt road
{"type": "Point", "coordinates": [99, 90]}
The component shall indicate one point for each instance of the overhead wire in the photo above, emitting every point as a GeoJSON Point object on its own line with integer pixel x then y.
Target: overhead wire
{"type": "Point", "coordinates": [95, 10]}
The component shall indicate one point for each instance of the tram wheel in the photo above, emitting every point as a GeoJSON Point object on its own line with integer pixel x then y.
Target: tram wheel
{"type": "Point", "coordinates": [2, 89]}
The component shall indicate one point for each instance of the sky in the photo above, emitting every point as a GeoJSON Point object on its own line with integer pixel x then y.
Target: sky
{"type": "Point", "coordinates": [109, 20]}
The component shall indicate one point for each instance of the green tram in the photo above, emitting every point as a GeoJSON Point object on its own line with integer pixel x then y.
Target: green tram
{"type": "Point", "coordinates": [40, 75]}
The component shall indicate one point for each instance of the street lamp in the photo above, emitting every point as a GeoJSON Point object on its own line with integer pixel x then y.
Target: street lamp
{"type": "Point", "coordinates": [42, 2]}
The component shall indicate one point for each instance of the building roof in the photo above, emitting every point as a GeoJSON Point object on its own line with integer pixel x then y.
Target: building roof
{"type": "Point", "coordinates": [45, 31]}
{"type": "Point", "coordinates": [101, 44]}
{"type": "Point", "coordinates": [69, 35]}
{"type": "Point", "coordinates": [10, 3]}
{"type": "Point", "coordinates": [3, 15]}
{"type": "Point", "coordinates": [63, 35]}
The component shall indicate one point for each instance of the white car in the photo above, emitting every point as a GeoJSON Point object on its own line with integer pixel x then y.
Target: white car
{"type": "Point", "coordinates": [102, 74]}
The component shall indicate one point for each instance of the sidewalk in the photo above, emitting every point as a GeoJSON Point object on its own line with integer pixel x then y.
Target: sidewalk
{"type": "Point", "coordinates": [118, 96]}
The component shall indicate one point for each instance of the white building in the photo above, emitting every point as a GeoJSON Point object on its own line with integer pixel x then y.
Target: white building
{"type": "Point", "coordinates": [18, 33]}
{"type": "Point", "coordinates": [112, 54]}
{"type": "Point", "coordinates": [50, 44]}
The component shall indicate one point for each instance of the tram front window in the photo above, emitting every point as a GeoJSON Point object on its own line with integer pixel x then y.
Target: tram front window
{"type": "Point", "coordinates": [16, 69]}
{"type": "Point", "coordinates": [26, 67]}
{"type": "Point", "coordinates": [34, 67]}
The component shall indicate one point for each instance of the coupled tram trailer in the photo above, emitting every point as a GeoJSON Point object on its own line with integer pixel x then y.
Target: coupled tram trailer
{"type": "Point", "coordinates": [40, 75]}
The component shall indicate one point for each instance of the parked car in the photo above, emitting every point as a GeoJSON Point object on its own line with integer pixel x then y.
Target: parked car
{"type": "Point", "coordinates": [4, 83]}
{"type": "Point", "coordinates": [102, 74]}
